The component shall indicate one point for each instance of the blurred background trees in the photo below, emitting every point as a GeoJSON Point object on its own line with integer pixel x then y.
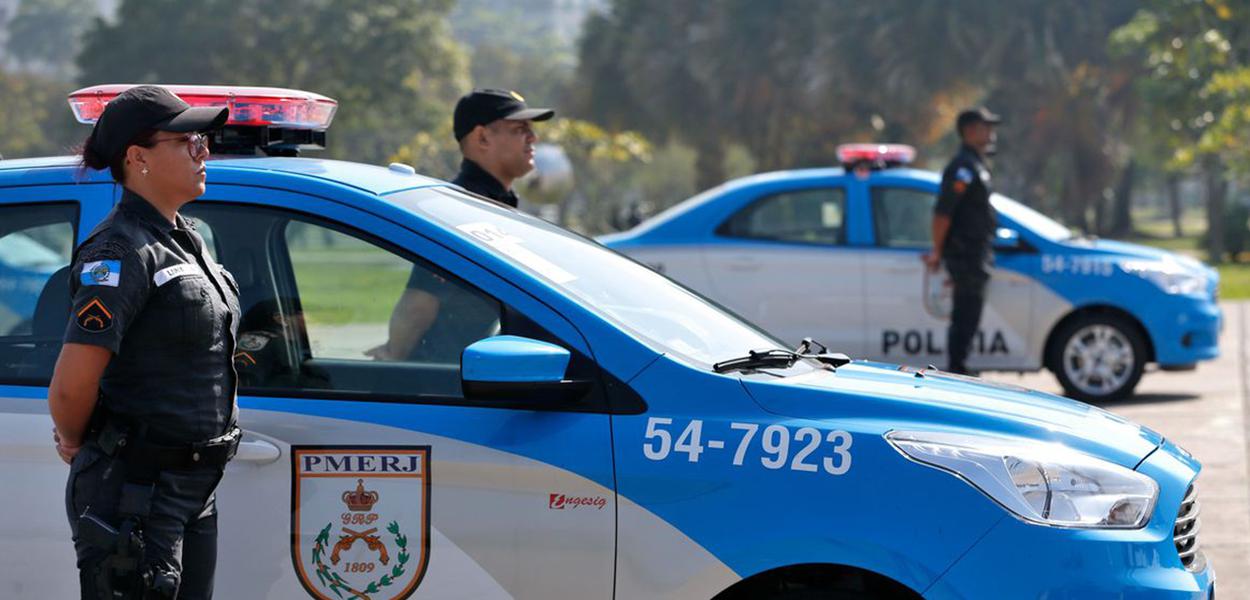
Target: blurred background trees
{"type": "Point", "coordinates": [1123, 118]}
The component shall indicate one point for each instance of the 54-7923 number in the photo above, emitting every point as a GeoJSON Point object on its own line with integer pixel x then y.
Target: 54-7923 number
{"type": "Point", "coordinates": [804, 449]}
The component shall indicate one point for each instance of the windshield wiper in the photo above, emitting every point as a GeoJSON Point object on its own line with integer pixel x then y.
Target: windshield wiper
{"type": "Point", "coordinates": [776, 357]}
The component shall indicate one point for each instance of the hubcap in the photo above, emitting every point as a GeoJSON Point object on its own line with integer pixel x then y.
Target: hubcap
{"type": "Point", "coordinates": [1098, 359]}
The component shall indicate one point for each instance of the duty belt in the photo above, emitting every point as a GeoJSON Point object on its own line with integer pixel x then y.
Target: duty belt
{"type": "Point", "coordinates": [127, 443]}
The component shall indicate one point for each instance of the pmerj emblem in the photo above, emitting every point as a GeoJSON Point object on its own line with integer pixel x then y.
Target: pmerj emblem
{"type": "Point", "coordinates": [360, 520]}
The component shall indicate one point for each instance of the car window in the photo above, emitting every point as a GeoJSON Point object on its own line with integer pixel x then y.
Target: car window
{"type": "Point", "coordinates": [1031, 219]}
{"type": "Point", "coordinates": [321, 302]}
{"type": "Point", "coordinates": [210, 237]}
{"type": "Point", "coordinates": [36, 245]}
{"type": "Point", "coordinates": [903, 217]}
{"type": "Point", "coordinates": [349, 289]}
{"type": "Point", "coordinates": [813, 216]}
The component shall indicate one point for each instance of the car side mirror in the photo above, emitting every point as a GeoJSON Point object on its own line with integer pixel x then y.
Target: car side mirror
{"type": "Point", "coordinates": [509, 367]}
{"type": "Point", "coordinates": [1007, 239]}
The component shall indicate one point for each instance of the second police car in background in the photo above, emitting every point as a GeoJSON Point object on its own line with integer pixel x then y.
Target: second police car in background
{"type": "Point", "coordinates": [835, 254]}
{"type": "Point", "coordinates": [613, 435]}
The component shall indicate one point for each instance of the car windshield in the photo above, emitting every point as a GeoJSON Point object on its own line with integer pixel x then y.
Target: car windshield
{"type": "Point", "coordinates": [661, 313]}
{"type": "Point", "coordinates": [1030, 219]}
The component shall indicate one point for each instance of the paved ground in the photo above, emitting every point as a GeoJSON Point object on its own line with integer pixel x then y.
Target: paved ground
{"type": "Point", "coordinates": [1206, 411]}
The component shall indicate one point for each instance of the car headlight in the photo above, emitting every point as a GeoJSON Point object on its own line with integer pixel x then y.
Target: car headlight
{"type": "Point", "coordinates": [1045, 484]}
{"type": "Point", "coordinates": [1170, 277]}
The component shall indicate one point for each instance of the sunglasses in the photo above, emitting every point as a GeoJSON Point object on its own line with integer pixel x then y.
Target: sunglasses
{"type": "Point", "coordinates": [197, 144]}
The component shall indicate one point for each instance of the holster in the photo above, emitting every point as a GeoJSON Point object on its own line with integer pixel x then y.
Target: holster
{"type": "Point", "coordinates": [118, 574]}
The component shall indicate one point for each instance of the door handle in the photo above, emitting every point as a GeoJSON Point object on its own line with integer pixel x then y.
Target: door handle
{"type": "Point", "coordinates": [257, 451]}
{"type": "Point", "coordinates": [744, 265]}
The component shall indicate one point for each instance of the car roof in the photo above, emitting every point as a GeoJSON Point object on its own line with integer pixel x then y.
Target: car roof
{"type": "Point", "coordinates": [369, 178]}
{"type": "Point", "coordinates": [691, 217]}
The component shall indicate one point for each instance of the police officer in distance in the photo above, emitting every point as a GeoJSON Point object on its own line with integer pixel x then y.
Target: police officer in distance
{"type": "Point", "coordinates": [496, 135]}
{"type": "Point", "coordinates": [963, 230]}
{"type": "Point", "coordinates": [143, 393]}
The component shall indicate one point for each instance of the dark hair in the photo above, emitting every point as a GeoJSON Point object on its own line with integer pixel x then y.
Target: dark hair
{"type": "Point", "coordinates": [92, 159]}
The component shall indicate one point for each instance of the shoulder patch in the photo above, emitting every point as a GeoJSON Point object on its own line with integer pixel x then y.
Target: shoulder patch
{"type": "Point", "coordinates": [252, 341]}
{"type": "Point", "coordinates": [964, 174]}
{"type": "Point", "coordinates": [101, 272]}
{"type": "Point", "coordinates": [94, 317]}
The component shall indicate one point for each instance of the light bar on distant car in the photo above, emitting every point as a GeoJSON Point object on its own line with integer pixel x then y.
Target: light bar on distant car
{"type": "Point", "coordinates": [249, 106]}
{"type": "Point", "coordinates": [875, 155]}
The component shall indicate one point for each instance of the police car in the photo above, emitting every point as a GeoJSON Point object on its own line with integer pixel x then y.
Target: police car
{"type": "Point", "coordinates": [612, 435]}
{"type": "Point", "coordinates": [835, 254]}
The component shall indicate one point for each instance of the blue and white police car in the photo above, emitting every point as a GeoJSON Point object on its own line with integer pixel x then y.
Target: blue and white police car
{"type": "Point", "coordinates": [610, 435]}
{"type": "Point", "coordinates": [835, 254]}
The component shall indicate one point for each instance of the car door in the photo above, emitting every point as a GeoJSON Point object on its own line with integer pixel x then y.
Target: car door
{"type": "Point", "coordinates": [378, 477]}
{"type": "Point", "coordinates": [39, 228]}
{"type": "Point", "coordinates": [782, 261]}
{"type": "Point", "coordinates": [908, 308]}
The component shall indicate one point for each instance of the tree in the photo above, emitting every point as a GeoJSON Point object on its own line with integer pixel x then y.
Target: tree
{"type": "Point", "coordinates": [513, 44]}
{"type": "Point", "coordinates": [34, 117]}
{"type": "Point", "coordinates": [44, 34]}
{"type": "Point", "coordinates": [391, 64]}
{"type": "Point", "coordinates": [1193, 58]}
{"type": "Point", "coordinates": [790, 80]}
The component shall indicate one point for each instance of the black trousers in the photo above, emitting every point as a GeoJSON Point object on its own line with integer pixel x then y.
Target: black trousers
{"type": "Point", "coordinates": [179, 534]}
{"type": "Point", "coordinates": [970, 277]}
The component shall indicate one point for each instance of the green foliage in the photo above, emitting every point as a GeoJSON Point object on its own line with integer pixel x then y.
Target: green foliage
{"type": "Point", "coordinates": [44, 34]}
{"type": "Point", "coordinates": [433, 153]}
{"type": "Point", "coordinates": [513, 45]}
{"type": "Point", "coordinates": [605, 167]}
{"type": "Point", "coordinates": [789, 81]}
{"type": "Point", "coordinates": [1188, 56]}
{"type": "Point", "coordinates": [35, 119]}
{"type": "Point", "coordinates": [391, 64]}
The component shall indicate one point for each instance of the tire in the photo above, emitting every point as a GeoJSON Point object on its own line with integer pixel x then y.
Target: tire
{"type": "Point", "coordinates": [1098, 357]}
{"type": "Point", "coordinates": [821, 595]}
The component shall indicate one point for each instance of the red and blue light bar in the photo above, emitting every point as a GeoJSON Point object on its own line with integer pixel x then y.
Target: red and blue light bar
{"type": "Point", "coordinates": [875, 155]}
{"type": "Point", "coordinates": [249, 106]}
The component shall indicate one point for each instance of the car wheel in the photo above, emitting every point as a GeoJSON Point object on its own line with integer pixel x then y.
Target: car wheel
{"type": "Point", "coordinates": [1098, 357]}
{"type": "Point", "coordinates": [822, 595]}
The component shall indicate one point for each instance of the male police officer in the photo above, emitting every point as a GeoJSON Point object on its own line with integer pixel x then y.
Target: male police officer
{"type": "Point", "coordinates": [963, 230]}
{"type": "Point", "coordinates": [496, 136]}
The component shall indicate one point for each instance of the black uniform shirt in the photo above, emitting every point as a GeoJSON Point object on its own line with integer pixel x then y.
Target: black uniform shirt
{"type": "Point", "coordinates": [965, 198]}
{"type": "Point", "coordinates": [464, 316]}
{"type": "Point", "coordinates": [147, 290]}
{"type": "Point", "coordinates": [475, 179]}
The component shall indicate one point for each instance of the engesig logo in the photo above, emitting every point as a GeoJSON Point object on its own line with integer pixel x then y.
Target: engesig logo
{"type": "Point", "coordinates": [562, 501]}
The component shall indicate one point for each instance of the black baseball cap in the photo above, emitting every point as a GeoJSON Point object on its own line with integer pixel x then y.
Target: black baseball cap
{"type": "Point", "coordinates": [485, 106]}
{"type": "Point", "coordinates": [146, 107]}
{"type": "Point", "coordinates": [979, 114]}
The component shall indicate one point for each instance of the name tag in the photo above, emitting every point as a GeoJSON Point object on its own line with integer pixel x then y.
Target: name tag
{"type": "Point", "coordinates": [168, 274]}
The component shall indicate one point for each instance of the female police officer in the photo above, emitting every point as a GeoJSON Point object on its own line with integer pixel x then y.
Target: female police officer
{"type": "Point", "coordinates": [143, 392]}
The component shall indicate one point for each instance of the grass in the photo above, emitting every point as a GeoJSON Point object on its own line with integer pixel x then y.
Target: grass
{"type": "Point", "coordinates": [1234, 281]}
{"type": "Point", "coordinates": [334, 295]}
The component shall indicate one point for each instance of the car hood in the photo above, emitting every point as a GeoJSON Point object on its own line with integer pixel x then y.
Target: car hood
{"type": "Point", "coordinates": [1136, 251]}
{"type": "Point", "coordinates": [902, 398]}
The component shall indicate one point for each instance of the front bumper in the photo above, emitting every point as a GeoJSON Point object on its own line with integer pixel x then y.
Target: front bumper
{"type": "Point", "coordinates": [1019, 560]}
{"type": "Point", "coordinates": [1186, 332]}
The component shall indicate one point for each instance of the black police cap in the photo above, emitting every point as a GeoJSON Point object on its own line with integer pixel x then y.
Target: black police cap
{"type": "Point", "coordinates": [485, 106]}
{"type": "Point", "coordinates": [145, 107]}
{"type": "Point", "coordinates": [979, 114]}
